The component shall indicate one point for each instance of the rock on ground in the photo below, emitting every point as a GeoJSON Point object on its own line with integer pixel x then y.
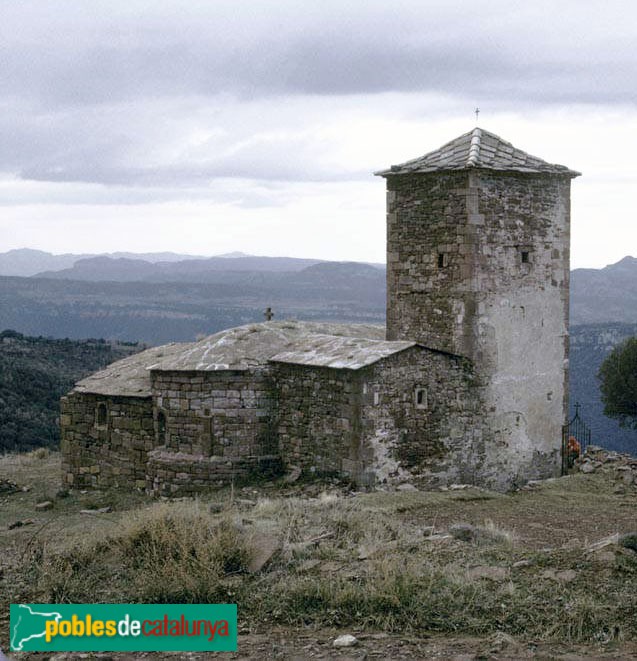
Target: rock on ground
{"type": "Point", "coordinates": [346, 640]}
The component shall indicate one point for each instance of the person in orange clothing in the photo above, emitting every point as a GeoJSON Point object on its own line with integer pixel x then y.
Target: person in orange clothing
{"type": "Point", "coordinates": [573, 449]}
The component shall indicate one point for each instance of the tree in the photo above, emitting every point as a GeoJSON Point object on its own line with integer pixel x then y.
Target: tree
{"type": "Point", "coordinates": [618, 383]}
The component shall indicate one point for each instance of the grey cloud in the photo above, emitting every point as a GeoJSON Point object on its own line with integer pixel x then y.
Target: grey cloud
{"type": "Point", "coordinates": [44, 192]}
{"type": "Point", "coordinates": [161, 176]}
{"type": "Point", "coordinates": [98, 160]}
{"type": "Point", "coordinates": [105, 92]}
{"type": "Point", "coordinates": [488, 50]}
{"type": "Point", "coordinates": [147, 144]}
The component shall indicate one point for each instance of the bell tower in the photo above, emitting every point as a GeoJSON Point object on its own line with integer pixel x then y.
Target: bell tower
{"type": "Point", "coordinates": [478, 251]}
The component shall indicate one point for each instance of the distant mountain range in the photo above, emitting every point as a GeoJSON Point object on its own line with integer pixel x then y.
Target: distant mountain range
{"type": "Point", "coordinates": [143, 267]}
{"type": "Point", "coordinates": [26, 262]}
{"type": "Point", "coordinates": [157, 312]}
{"type": "Point", "coordinates": [597, 295]}
{"type": "Point", "coordinates": [604, 295]}
{"type": "Point", "coordinates": [103, 268]}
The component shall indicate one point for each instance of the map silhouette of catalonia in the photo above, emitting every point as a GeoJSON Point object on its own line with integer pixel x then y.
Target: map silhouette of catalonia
{"type": "Point", "coordinates": [30, 624]}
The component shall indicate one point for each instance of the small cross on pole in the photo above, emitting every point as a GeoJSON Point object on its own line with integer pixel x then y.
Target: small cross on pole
{"type": "Point", "coordinates": [477, 112]}
{"type": "Point", "coordinates": [268, 314]}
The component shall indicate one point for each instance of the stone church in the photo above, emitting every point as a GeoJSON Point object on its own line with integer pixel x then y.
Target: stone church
{"type": "Point", "coordinates": [467, 383]}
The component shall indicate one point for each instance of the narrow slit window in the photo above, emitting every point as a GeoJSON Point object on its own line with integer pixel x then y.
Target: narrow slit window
{"type": "Point", "coordinates": [442, 260]}
{"type": "Point", "coordinates": [101, 417]}
{"type": "Point", "coordinates": [161, 427]}
{"type": "Point", "coordinates": [420, 398]}
{"type": "Point", "coordinates": [526, 257]}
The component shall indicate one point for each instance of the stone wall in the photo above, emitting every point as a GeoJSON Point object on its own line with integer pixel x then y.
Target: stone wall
{"type": "Point", "coordinates": [426, 219]}
{"type": "Point", "coordinates": [478, 264]}
{"type": "Point", "coordinates": [180, 474]}
{"type": "Point", "coordinates": [373, 425]}
{"type": "Point", "coordinates": [526, 321]}
{"type": "Point", "coordinates": [422, 418]}
{"type": "Point", "coordinates": [222, 413]}
{"type": "Point", "coordinates": [108, 452]}
{"type": "Point", "coordinates": [213, 428]}
{"type": "Point", "coordinates": [455, 239]}
{"type": "Point", "coordinates": [318, 423]}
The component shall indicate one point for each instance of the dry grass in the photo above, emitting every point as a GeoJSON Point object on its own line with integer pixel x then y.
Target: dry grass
{"type": "Point", "coordinates": [166, 553]}
{"type": "Point", "coordinates": [364, 560]}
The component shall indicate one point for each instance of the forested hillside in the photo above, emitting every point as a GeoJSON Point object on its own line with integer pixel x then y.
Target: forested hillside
{"type": "Point", "coordinates": [34, 373]}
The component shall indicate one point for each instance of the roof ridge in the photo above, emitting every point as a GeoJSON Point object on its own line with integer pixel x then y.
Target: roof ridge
{"type": "Point", "coordinates": [474, 149]}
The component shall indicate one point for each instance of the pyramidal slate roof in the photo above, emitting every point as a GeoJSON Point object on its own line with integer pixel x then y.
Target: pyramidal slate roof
{"type": "Point", "coordinates": [478, 149]}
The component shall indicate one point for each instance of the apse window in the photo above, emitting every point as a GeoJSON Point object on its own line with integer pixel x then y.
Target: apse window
{"type": "Point", "coordinates": [101, 416]}
{"type": "Point", "coordinates": [161, 427]}
{"type": "Point", "coordinates": [420, 398]}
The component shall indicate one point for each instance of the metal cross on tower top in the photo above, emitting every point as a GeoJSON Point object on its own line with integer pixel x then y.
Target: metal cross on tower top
{"type": "Point", "coordinates": [268, 314]}
{"type": "Point", "coordinates": [477, 112]}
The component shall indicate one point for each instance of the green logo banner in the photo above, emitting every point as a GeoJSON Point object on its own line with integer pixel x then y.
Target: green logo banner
{"type": "Point", "coordinates": [123, 627]}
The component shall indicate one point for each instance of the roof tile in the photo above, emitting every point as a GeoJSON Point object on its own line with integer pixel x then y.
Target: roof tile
{"type": "Point", "coordinates": [478, 149]}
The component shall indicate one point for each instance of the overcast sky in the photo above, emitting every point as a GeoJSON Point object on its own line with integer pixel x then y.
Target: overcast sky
{"type": "Point", "coordinates": [208, 127]}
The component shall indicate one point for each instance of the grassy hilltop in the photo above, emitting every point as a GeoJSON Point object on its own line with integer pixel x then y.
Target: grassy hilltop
{"type": "Point", "coordinates": [307, 562]}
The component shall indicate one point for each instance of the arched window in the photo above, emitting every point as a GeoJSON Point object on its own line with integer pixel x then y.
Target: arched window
{"type": "Point", "coordinates": [101, 415]}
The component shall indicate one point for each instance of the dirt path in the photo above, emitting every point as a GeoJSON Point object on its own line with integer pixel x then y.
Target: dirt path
{"type": "Point", "coordinates": [295, 645]}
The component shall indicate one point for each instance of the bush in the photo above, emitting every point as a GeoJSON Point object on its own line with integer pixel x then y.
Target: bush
{"type": "Point", "coordinates": [618, 376]}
